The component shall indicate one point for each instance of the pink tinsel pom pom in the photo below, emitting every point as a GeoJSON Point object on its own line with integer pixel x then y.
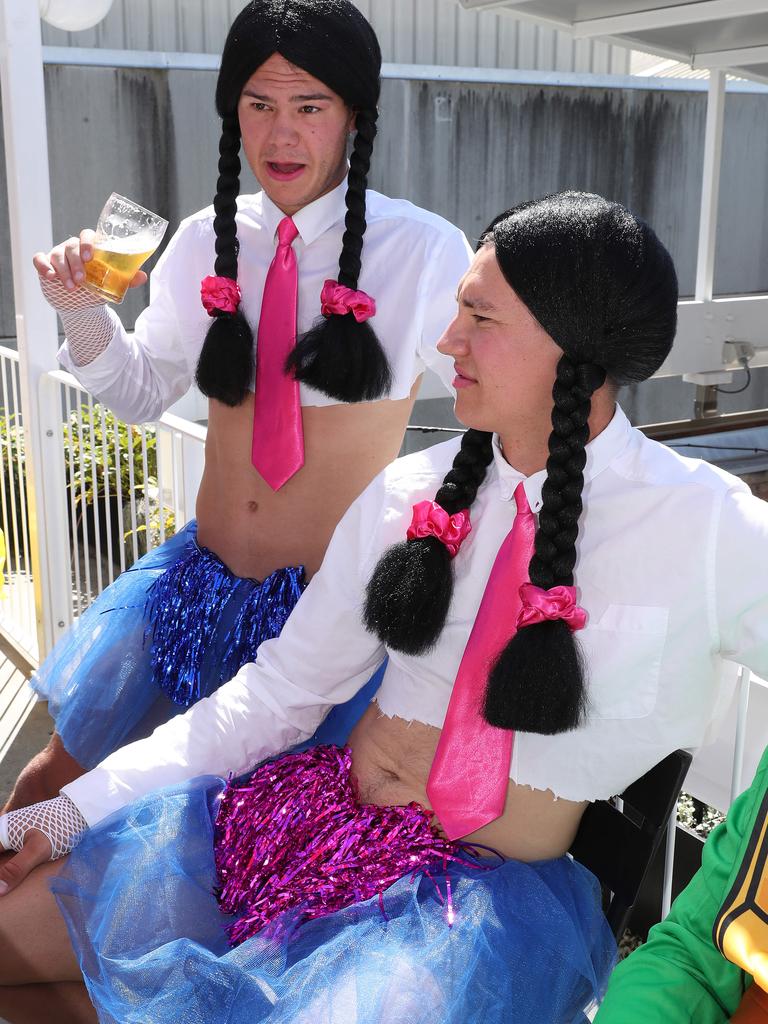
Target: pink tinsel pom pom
{"type": "Point", "coordinates": [294, 836]}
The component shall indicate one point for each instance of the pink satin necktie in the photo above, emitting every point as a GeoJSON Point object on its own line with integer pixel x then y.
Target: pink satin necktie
{"type": "Point", "coordinates": [468, 780]}
{"type": "Point", "coordinates": [278, 435]}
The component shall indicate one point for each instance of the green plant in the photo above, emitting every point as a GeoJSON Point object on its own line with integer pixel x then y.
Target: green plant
{"type": "Point", "coordinates": [104, 451]}
{"type": "Point", "coordinates": [149, 532]}
{"type": "Point", "coordinates": [90, 430]}
{"type": "Point", "coordinates": [99, 452]}
{"type": "Point", "coordinates": [697, 816]}
{"type": "Point", "coordinates": [13, 468]}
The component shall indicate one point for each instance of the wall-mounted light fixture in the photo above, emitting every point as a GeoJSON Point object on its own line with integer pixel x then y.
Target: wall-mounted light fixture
{"type": "Point", "coordinates": [73, 15]}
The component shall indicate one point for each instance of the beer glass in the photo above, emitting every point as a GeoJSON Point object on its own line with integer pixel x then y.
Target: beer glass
{"type": "Point", "coordinates": [126, 236]}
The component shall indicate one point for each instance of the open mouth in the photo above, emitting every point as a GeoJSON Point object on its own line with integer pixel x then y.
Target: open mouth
{"type": "Point", "coordinates": [284, 171]}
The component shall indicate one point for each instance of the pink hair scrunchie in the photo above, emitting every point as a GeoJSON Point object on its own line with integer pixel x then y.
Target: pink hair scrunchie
{"type": "Point", "coordinates": [220, 295]}
{"type": "Point", "coordinates": [431, 520]}
{"type": "Point", "coordinates": [541, 605]}
{"type": "Point", "coordinates": [337, 299]}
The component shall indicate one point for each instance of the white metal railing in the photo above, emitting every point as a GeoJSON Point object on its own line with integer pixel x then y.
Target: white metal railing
{"type": "Point", "coordinates": [17, 602]}
{"type": "Point", "coordinates": [128, 488]}
{"type": "Point", "coordinates": [122, 490]}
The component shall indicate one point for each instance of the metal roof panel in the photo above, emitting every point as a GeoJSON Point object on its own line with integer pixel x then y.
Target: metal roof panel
{"type": "Point", "coordinates": [727, 34]}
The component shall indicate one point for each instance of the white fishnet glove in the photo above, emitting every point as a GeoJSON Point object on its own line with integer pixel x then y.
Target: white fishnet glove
{"type": "Point", "coordinates": [59, 820]}
{"type": "Point", "coordinates": [88, 322]}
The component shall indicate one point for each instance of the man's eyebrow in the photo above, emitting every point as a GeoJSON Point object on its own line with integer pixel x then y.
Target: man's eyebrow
{"type": "Point", "coordinates": [476, 303]}
{"type": "Point", "coordinates": [294, 99]}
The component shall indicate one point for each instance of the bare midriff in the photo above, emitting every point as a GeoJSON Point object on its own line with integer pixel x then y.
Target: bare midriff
{"type": "Point", "coordinates": [391, 758]}
{"type": "Point", "coordinates": [255, 530]}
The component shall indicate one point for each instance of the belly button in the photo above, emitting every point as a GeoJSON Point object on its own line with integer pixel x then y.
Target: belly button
{"type": "Point", "coordinates": [252, 506]}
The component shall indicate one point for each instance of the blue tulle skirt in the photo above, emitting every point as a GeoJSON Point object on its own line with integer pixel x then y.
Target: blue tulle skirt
{"type": "Point", "coordinates": [168, 631]}
{"type": "Point", "coordinates": [529, 943]}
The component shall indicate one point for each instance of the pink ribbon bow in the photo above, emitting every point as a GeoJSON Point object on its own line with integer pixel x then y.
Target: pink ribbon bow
{"type": "Point", "coordinates": [336, 298]}
{"type": "Point", "coordinates": [557, 603]}
{"type": "Point", "coordinates": [219, 295]}
{"type": "Point", "coordinates": [431, 520]}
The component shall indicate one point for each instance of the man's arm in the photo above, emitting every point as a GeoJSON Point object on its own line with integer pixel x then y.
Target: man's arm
{"type": "Point", "coordinates": [679, 975]}
{"type": "Point", "coordinates": [741, 580]}
{"type": "Point", "coordinates": [140, 375]}
{"type": "Point", "coordinates": [323, 656]}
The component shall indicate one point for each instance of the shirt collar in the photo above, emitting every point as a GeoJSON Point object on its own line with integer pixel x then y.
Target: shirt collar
{"type": "Point", "coordinates": [312, 220]}
{"type": "Point", "coordinates": [601, 452]}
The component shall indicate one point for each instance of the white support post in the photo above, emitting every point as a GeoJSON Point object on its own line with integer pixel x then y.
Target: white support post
{"type": "Point", "coordinates": [29, 204]}
{"type": "Point", "coordinates": [744, 683]}
{"type": "Point", "coordinates": [710, 187]}
{"type": "Point", "coordinates": [669, 863]}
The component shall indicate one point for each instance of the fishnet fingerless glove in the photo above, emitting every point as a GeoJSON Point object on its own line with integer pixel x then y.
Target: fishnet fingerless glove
{"type": "Point", "coordinates": [89, 324]}
{"type": "Point", "coordinates": [59, 820]}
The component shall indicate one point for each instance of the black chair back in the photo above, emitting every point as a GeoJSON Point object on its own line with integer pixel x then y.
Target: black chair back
{"type": "Point", "coordinates": [618, 845]}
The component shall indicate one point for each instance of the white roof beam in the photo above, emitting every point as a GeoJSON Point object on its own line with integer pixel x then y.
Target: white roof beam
{"type": "Point", "coordinates": [481, 5]}
{"type": "Point", "coordinates": [731, 58]}
{"type": "Point", "coordinates": [667, 17]}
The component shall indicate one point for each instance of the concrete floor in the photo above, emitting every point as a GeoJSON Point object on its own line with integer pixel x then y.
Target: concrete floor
{"type": "Point", "coordinates": [25, 726]}
{"type": "Point", "coordinates": [32, 737]}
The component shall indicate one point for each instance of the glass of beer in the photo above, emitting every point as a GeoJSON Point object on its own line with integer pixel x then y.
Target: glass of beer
{"type": "Point", "coordinates": [126, 236]}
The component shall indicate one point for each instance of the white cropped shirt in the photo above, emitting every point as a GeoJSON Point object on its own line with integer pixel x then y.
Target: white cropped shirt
{"type": "Point", "coordinates": [672, 570]}
{"type": "Point", "coordinates": [412, 262]}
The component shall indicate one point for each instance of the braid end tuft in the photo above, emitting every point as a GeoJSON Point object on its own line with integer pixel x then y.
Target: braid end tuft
{"type": "Point", "coordinates": [225, 366]}
{"type": "Point", "coordinates": [410, 591]}
{"type": "Point", "coordinates": [343, 359]}
{"type": "Point", "coordinates": [536, 684]}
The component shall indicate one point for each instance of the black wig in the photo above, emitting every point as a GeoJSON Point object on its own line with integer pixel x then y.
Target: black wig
{"type": "Point", "coordinates": [331, 40]}
{"type": "Point", "coordinates": [604, 288]}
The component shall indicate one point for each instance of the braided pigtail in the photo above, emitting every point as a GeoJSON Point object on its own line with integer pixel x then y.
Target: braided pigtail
{"type": "Point", "coordinates": [225, 366]}
{"type": "Point", "coordinates": [537, 683]}
{"type": "Point", "coordinates": [409, 593]}
{"type": "Point", "coordinates": [340, 354]}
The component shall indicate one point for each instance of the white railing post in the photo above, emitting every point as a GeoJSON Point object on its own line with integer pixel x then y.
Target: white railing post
{"type": "Point", "coordinates": [744, 683]}
{"type": "Point", "coordinates": [710, 186]}
{"type": "Point", "coordinates": [669, 863]}
{"type": "Point", "coordinates": [29, 205]}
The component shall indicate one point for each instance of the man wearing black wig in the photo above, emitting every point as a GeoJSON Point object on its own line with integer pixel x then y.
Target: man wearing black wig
{"type": "Point", "coordinates": [621, 576]}
{"type": "Point", "coordinates": [375, 290]}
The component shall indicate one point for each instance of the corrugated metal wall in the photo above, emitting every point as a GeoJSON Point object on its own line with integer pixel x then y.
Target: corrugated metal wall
{"type": "Point", "coordinates": [410, 32]}
{"type": "Point", "coordinates": [463, 150]}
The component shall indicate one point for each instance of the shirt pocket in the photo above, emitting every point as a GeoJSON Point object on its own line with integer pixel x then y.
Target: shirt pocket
{"type": "Point", "coordinates": [623, 651]}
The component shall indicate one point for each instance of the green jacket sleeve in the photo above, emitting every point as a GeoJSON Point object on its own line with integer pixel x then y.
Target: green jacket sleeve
{"type": "Point", "coordinates": [679, 976]}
